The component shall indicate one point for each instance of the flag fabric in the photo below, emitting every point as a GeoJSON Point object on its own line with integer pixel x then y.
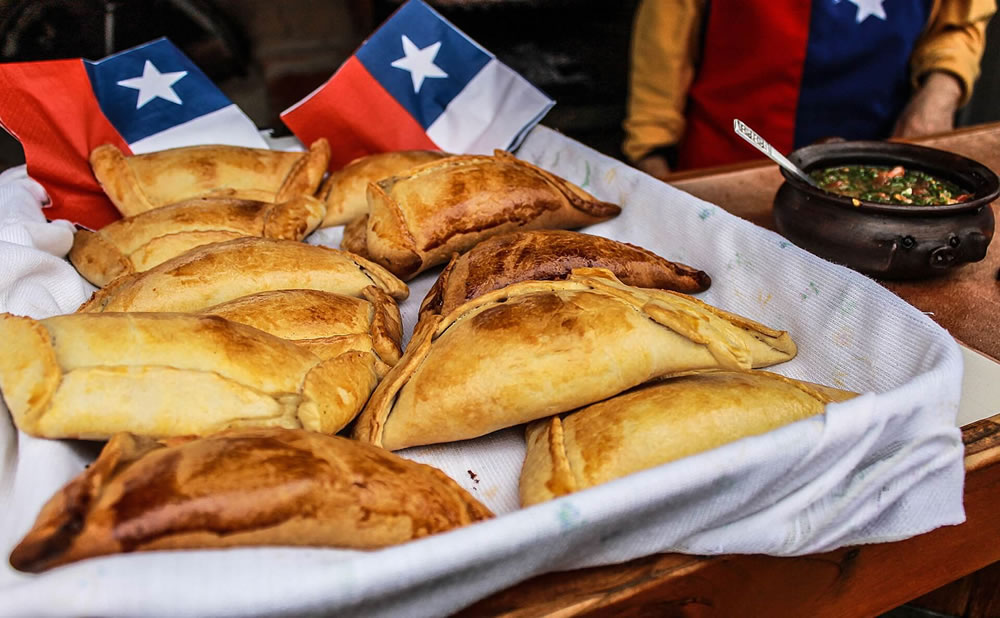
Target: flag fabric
{"type": "Point", "coordinates": [418, 83]}
{"type": "Point", "coordinates": [144, 99]}
{"type": "Point", "coordinates": [826, 68]}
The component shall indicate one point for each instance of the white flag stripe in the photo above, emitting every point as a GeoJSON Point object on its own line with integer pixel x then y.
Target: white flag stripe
{"type": "Point", "coordinates": [490, 112]}
{"type": "Point", "coordinates": [228, 125]}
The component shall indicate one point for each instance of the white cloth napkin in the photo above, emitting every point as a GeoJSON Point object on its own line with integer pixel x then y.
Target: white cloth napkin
{"type": "Point", "coordinates": [35, 280]}
{"type": "Point", "coordinates": [881, 467]}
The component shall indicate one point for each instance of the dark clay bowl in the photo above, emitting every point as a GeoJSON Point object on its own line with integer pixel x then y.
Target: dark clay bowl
{"type": "Point", "coordinates": [885, 240]}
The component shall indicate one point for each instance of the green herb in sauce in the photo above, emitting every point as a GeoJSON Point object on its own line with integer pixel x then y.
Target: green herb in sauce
{"type": "Point", "coordinates": [885, 185]}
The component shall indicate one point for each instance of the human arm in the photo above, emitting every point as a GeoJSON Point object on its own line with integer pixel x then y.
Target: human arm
{"type": "Point", "coordinates": [664, 51]}
{"type": "Point", "coordinates": [944, 66]}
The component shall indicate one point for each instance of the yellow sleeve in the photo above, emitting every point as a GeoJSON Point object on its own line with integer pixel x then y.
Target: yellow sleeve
{"type": "Point", "coordinates": [953, 42]}
{"type": "Point", "coordinates": [666, 38]}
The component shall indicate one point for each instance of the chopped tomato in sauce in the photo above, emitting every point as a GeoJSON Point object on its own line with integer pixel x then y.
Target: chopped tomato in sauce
{"type": "Point", "coordinates": [885, 185]}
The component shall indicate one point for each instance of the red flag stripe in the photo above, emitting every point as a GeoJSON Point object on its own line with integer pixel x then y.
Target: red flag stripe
{"type": "Point", "coordinates": [357, 116]}
{"type": "Point", "coordinates": [51, 109]}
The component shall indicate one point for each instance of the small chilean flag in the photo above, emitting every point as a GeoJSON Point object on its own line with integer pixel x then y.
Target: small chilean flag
{"type": "Point", "coordinates": [418, 83]}
{"type": "Point", "coordinates": [148, 98]}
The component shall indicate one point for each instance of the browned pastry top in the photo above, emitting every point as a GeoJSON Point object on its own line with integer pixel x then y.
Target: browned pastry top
{"type": "Point", "coordinates": [240, 488]}
{"type": "Point", "coordinates": [552, 254]}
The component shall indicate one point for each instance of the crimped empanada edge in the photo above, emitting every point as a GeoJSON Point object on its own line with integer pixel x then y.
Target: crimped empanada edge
{"type": "Point", "coordinates": [307, 172]}
{"type": "Point", "coordinates": [115, 175]}
{"type": "Point", "coordinates": [386, 327]}
{"type": "Point", "coordinates": [294, 218]}
{"type": "Point", "coordinates": [334, 391]}
{"type": "Point", "coordinates": [388, 238]}
{"type": "Point", "coordinates": [546, 472]}
{"type": "Point", "coordinates": [380, 276]}
{"type": "Point", "coordinates": [779, 341]}
{"type": "Point", "coordinates": [370, 424]}
{"type": "Point", "coordinates": [97, 259]}
{"type": "Point", "coordinates": [30, 372]}
{"type": "Point", "coordinates": [575, 195]}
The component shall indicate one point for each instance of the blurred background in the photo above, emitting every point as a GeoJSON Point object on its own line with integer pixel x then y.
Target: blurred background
{"type": "Point", "coordinates": [268, 54]}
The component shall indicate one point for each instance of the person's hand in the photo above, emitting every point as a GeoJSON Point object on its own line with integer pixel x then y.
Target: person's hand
{"type": "Point", "coordinates": [932, 107]}
{"type": "Point", "coordinates": [655, 165]}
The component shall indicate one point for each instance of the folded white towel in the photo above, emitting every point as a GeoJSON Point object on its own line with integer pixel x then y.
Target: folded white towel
{"type": "Point", "coordinates": [884, 466]}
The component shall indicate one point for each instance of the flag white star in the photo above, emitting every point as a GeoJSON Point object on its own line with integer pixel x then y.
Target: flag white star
{"type": "Point", "coordinates": [154, 84]}
{"type": "Point", "coordinates": [868, 7]}
{"type": "Point", "coordinates": [419, 62]}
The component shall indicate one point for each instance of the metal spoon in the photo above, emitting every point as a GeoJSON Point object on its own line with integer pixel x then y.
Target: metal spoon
{"type": "Point", "coordinates": [762, 145]}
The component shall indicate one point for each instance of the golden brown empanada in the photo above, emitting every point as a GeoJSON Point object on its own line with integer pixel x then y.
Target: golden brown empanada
{"type": "Point", "coordinates": [345, 191]}
{"type": "Point", "coordinates": [551, 254]}
{"type": "Point", "coordinates": [538, 348]}
{"type": "Point", "coordinates": [140, 242]}
{"type": "Point", "coordinates": [418, 220]}
{"type": "Point", "coordinates": [219, 272]}
{"type": "Point", "coordinates": [660, 422]}
{"type": "Point", "coordinates": [137, 183]}
{"type": "Point", "coordinates": [89, 376]}
{"type": "Point", "coordinates": [326, 324]}
{"type": "Point", "coordinates": [240, 488]}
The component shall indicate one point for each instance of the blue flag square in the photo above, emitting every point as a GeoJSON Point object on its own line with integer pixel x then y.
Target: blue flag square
{"type": "Point", "coordinates": [433, 60]}
{"type": "Point", "coordinates": [151, 88]}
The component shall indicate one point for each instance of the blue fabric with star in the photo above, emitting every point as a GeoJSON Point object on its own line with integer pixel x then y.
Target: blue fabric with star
{"type": "Point", "coordinates": [197, 93]}
{"type": "Point", "coordinates": [848, 90]}
{"type": "Point", "coordinates": [458, 57]}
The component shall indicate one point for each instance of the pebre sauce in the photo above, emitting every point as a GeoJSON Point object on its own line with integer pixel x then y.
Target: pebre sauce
{"type": "Point", "coordinates": [885, 185]}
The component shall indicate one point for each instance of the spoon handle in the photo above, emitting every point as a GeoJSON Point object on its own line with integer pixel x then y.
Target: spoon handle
{"type": "Point", "coordinates": [762, 145]}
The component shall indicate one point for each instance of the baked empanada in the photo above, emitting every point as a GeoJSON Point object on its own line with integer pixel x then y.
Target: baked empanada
{"type": "Point", "coordinates": [326, 324]}
{"type": "Point", "coordinates": [219, 272]}
{"type": "Point", "coordinates": [345, 191]}
{"type": "Point", "coordinates": [140, 242]}
{"type": "Point", "coordinates": [660, 422]}
{"type": "Point", "coordinates": [137, 183]}
{"type": "Point", "coordinates": [419, 219]}
{"type": "Point", "coordinates": [89, 376]}
{"type": "Point", "coordinates": [551, 254]}
{"type": "Point", "coordinates": [538, 348]}
{"type": "Point", "coordinates": [242, 488]}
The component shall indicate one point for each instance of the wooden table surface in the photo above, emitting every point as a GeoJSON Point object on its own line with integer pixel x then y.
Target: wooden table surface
{"type": "Point", "coordinates": [855, 581]}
